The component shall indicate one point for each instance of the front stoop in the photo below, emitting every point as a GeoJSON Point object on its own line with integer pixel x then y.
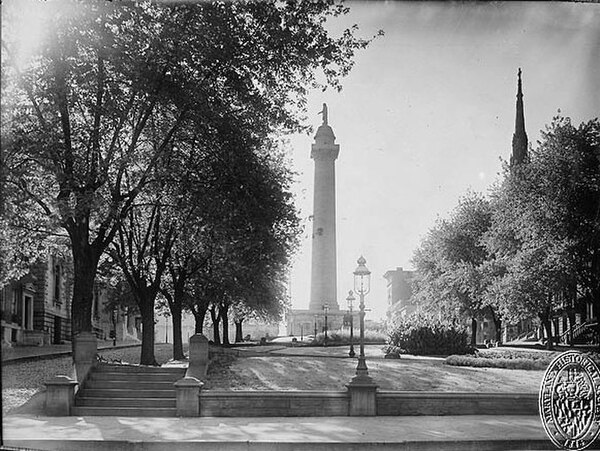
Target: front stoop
{"type": "Point", "coordinates": [128, 390]}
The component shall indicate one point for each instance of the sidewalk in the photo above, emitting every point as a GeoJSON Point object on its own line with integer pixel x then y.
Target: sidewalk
{"type": "Point", "coordinates": [21, 353]}
{"type": "Point", "coordinates": [304, 433]}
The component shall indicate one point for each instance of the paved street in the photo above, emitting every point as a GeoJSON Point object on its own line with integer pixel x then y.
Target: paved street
{"type": "Point", "coordinates": [16, 353]}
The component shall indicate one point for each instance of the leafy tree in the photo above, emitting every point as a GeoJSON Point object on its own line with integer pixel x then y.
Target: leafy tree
{"type": "Point", "coordinates": [142, 250]}
{"type": "Point", "coordinates": [83, 108]}
{"type": "Point", "coordinates": [449, 262]}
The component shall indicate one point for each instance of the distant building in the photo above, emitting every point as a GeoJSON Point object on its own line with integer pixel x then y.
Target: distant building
{"type": "Point", "coordinates": [399, 293]}
{"type": "Point", "coordinates": [121, 323]}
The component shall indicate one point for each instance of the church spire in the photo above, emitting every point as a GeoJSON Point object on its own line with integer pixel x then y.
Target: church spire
{"type": "Point", "coordinates": [519, 142]}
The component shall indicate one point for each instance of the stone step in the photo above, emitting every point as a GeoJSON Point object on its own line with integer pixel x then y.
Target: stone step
{"type": "Point", "coordinates": [134, 377]}
{"type": "Point", "coordinates": [129, 385]}
{"type": "Point", "coordinates": [80, 411]}
{"type": "Point", "coordinates": [158, 403]}
{"type": "Point", "coordinates": [121, 393]}
{"type": "Point", "coordinates": [138, 369]}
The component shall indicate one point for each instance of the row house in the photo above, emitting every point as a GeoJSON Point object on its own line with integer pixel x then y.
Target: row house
{"type": "Point", "coordinates": [36, 308]}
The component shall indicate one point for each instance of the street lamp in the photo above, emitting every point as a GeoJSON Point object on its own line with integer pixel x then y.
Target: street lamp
{"type": "Point", "coordinates": [362, 286]}
{"type": "Point", "coordinates": [326, 309]}
{"type": "Point", "coordinates": [351, 299]}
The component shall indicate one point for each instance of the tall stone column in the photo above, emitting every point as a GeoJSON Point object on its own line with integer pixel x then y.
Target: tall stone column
{"type": "Point", "coordinates": [324, 255]}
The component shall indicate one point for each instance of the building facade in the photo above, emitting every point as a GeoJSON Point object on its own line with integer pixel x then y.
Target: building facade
{"type": "Point", "coordinates": [36, 308]}
{"type": "Point", "coordinates": [399, 293]}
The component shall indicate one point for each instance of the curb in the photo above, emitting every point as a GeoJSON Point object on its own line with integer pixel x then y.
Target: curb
{"type": "Point", "coordinates": [453, 445]}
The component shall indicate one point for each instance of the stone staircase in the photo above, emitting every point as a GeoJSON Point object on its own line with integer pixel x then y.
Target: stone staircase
{"type": "Point", "coordinates": [128, 390]}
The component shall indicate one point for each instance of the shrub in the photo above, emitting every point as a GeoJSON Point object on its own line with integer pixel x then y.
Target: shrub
{"type": "Point", "coordinates": [511, 359]}
{"type": "Point", "coordinates": [425, 336]}
{"type": "Point", "coordinates": [513, 363]}
{"type": "Point", "coordinates": [342, 337]}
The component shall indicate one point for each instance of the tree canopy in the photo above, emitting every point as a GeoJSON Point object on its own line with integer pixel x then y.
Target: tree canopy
{"type": "Point", "coordinates": [113, 88]}
{"type": "Point", "coordinates": [532, 249]}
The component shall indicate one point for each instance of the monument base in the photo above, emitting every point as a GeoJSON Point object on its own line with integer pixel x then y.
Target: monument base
{"type": "Point", "coordinates": [311, 322]}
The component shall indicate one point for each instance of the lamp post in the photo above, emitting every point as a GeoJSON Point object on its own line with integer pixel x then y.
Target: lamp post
{"type": "Point", "coordinates": [351, 299]}
{"type": "Point", "coordinates": [362, 286]}
{"type": "Point", "coordinates": [326, 309]}
{"type": "Point", "coordinates": [316, 326]}
{"type": "Point", "coordinates": [362, 388]}
{"type": "Point", "coordinates": [114, 326]}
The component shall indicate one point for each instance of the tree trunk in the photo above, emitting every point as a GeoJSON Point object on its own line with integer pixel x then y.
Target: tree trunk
{"type": "Point", "coordinates": [176, 308]}
{"type": "Point", "coordinates": [215, 320]}
{"type": "Point", "coordinates": [499, 331]}
{"type": "Point", "coordinates": [199, 310]}
{"type": "Point", "coordinates": [571, 316]}
{"type": "Point", "coordinates": [596, 309]}
{"type": "Point", "coordinates": [497, 325]}
{"type": "Point", "coordinates": [225, 320]}
{"type": "Point", "coordinates": [239, 335]}
{"type": "Point", "coordinates": [198, 321]}
{"type": "Point", "coordinates": [473, 332]}
{"type": "Point", "coordinates": [545, 318]}
{"type": "Point", "coordinates": [146, 306]}
{"type": "Point", "coordinates": [177, 338]}
{"type": "Point", "coordinates": [85, 265]}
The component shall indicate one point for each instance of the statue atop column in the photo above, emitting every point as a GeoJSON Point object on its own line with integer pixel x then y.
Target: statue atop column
{"type": "Point", "coordinates": [324, 113]}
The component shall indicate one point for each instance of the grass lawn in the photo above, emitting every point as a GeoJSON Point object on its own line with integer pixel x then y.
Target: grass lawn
{"type": "Point", "coordinates": [329, 369]}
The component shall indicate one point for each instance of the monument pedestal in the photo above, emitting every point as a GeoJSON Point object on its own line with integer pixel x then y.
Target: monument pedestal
{"type": "Point", "coordinates": [302, 322]}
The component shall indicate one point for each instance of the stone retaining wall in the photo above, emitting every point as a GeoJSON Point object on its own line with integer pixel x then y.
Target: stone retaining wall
{"type": "Point", "coordinates": [273, 403]}
{"type": "Point", "coordinates": [389, 403]}
{"type": "Point", "coordinates": [440, 403]}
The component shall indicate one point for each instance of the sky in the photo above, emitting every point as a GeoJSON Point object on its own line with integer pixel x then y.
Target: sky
{"type": "Point", "coordinates": [428, 113]}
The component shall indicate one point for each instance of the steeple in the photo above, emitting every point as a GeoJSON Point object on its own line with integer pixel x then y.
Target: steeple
{"type": "Point", "coordinates": [519, 141]}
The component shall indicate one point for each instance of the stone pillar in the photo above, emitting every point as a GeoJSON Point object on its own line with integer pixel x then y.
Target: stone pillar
{"type": "Point", "coordinates": [198, 357]}
{"type": "Point", "coordinates": [60, 396]}
{"type": "Point", "coordinates": [188, 396]}
{"type": "Point", "coordinates": [84, 354]}
{"type": "Point", "coordinates": [363, 398]}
